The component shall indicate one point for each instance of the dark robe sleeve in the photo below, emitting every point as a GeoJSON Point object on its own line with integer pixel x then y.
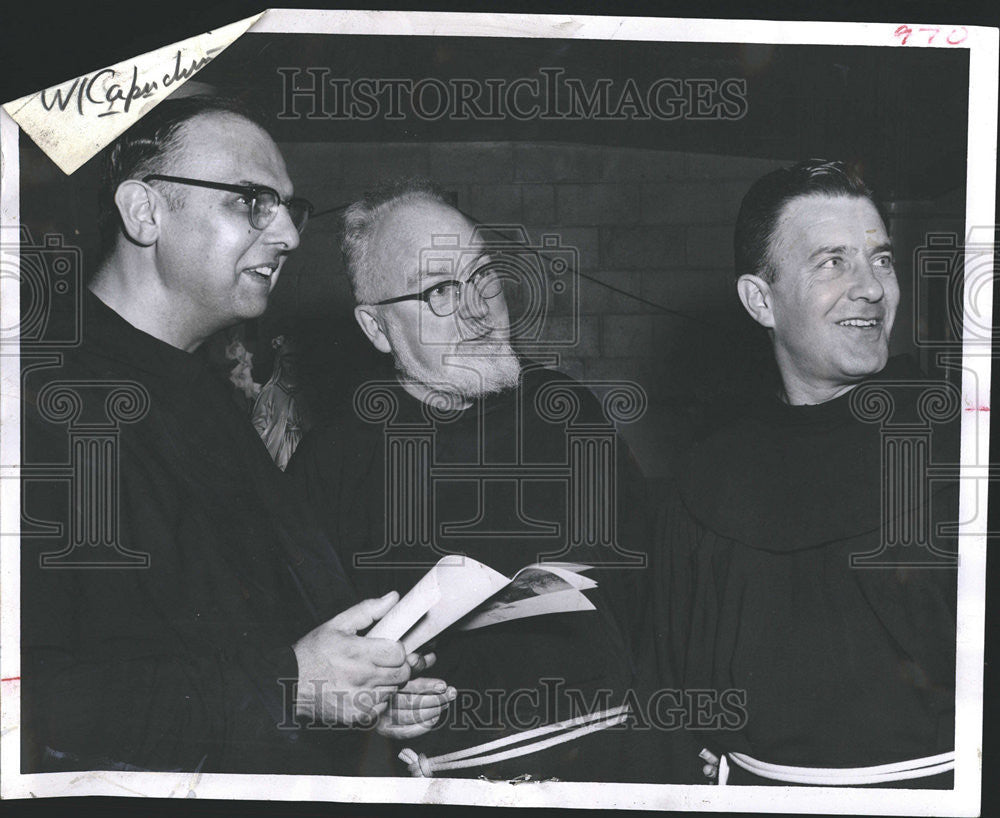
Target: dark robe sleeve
{"type": "Point", "coordinates": [106, 687]}
{"type": "Point", "coordinates": [186, 664]}
{"type": "Point", "coordinates": [664, 643]}
{"type": "Point", "coordinates": [315, 474]}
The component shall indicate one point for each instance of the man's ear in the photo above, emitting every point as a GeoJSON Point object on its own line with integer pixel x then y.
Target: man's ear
{"type": "Point", "coordinates": [371, 327]}
{"type": "Point", "coordinates": [755, 293]}
{"type": "Point", "coordinates": [140, 210]}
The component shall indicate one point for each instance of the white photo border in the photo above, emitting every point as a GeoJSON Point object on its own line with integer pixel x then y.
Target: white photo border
{"type": "Point", "coordinates": [982, 44]}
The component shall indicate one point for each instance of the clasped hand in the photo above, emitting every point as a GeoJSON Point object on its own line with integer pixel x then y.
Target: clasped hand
{"type": "Point", "coordinates": [349, 679]}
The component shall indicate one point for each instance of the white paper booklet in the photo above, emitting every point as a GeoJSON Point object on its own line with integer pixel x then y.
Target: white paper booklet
{"type": "Point", "coordinates": [463, 592]}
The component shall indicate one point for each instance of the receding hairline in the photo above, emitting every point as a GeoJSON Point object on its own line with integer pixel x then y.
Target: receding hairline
{"type": "Point", "coordinates": [419, 200]}
{"type": "Point", "coordinates": [176, 155]}
{"type": "Point", "coordinates": [782, 216]}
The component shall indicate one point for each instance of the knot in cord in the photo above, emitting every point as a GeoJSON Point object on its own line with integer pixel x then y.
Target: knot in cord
{"type": "Point", "coordinates": [418, 763]}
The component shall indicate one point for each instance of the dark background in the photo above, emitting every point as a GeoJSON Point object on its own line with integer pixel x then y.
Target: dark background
{"type": "Point", "coordinates": [45, 43]}
{"type": "Point", "coordinates": [647, 205]}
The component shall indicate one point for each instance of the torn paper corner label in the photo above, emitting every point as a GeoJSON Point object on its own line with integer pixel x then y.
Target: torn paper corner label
{"type": "Point", "coordinates": [75, 119]}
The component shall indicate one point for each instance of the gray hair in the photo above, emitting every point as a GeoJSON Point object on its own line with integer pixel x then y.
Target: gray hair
{"type": "Point", "coordinates": [361, 219]}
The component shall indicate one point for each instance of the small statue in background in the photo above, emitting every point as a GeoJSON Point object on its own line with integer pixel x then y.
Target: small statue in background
{"type": "Point", "coordinates": [240, 361]}
{"type": "Point", "coordinates": [278, 413]}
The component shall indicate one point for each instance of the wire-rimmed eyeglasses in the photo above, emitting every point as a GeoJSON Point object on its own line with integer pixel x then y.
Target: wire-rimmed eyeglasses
{"type": "Point", "coordinates": [444, 297]}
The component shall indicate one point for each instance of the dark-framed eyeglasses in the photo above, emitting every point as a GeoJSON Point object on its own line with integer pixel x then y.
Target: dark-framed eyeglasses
{"type": "Point", "coordinates": [444, 297]}
{"type": "Point", "coordinates": [264, 201]}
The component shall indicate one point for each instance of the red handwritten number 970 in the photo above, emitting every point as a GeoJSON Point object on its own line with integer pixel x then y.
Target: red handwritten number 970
{"type": "Point", "coordinates": [964, 33]}
{"type": "Point", "coordinates": [957, 35]}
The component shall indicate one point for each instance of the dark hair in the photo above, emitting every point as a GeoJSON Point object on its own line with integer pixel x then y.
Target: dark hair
{"type": "Point", "coordinates": [148, 146]}
{"type": "Point", "coordinates": [763, 203]}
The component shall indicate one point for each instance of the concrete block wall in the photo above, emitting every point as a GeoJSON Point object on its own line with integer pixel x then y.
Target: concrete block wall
{"type": "Point", "coordinates": [657, 224]}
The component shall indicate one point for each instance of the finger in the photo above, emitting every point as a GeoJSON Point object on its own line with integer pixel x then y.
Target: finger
{"type": "Point", "coordinates": [420, 662]}
{"type": "Point", "coordinates": [383, 653]}
{"type": "Point", "coordinates": [423, 705]}
{"type": "Point", "coordinates": [365, 613]}
{"type": "Point", "coordinates": [422, 702]}
{"type": "Point", "coordinates": [403, 733]}
{"type": "Point", "coordinates": [406, 717]}
{"type": "Point", "coordinates": [394, 677]}
{"type": "Point", "coordinates": [710, 771]}
{"type": "Point", "coordinates": [416, 703]}
{"type": "Point", "coordinates": [385, 693]}
{"type": "Point", "coordinates": [424, 684]}
{"type": "Point", "coordinates": [413, 712]}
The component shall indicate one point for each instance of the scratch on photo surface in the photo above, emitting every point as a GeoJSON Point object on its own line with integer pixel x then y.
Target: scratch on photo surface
{"type": "Point", "coordinates": [100, 777]}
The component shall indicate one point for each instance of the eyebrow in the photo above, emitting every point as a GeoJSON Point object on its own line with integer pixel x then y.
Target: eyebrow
{"type": "Point", "coordinates": [843, 249]}
{"type": "Point", "coordinates": [828, 249]}
{"type": "Point", "coordinates": [420, 276]}
{"type": "Point", "coordinates": [425, 280]}
{"type": "Point", "coordinates": [250, 183]}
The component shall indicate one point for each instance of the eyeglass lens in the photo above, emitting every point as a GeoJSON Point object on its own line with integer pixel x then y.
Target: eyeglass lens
{"type": "Point", "coordinates": [444, 300]}
{"type": "Point", "coordinates": [265, 208]}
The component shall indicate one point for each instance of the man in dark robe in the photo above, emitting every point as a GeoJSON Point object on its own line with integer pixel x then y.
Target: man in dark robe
{"type": "Point", "coordinates": [804, 568]}
{"type": "Point", "coordinates": [463, 450]}
{"type": "Point", "coordinates": [179, 609]}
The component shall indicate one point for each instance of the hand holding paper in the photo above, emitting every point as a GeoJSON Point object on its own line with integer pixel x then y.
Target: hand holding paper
{"type": "Point", "coordinates": [462, 590]}
{"type": "Point", "coordinates": [345, 678]}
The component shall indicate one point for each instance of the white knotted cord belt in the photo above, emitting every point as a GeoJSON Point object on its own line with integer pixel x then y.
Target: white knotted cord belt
{"type": "Point", "coordinates": [422, 766]}
{"type": "Point", "coordinates": [843, 776]}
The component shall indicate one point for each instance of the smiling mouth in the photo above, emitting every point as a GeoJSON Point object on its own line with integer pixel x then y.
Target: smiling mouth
{"type": "Point", "coordinates": [262, 272]}
{"type": "Point", "coordinates": [861, 323]}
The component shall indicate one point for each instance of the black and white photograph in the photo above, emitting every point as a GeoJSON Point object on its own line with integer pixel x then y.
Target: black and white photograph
{"type": "Point", "coordinates": [687, 320]}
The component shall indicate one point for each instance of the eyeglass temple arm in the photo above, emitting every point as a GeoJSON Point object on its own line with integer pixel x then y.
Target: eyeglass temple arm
{"type": "Point", "coordinates": [398, 298]}
{"type": "Point", "coordinates": [198, 183]}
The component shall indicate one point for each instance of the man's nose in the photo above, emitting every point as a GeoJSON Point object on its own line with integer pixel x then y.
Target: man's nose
{"type": "Point", "coordinates": [282, 229]}
{"type": "Point", "coordinates": [866, 283]}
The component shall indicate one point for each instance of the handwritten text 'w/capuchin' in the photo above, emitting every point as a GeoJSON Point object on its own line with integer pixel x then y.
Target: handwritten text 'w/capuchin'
{"type": "Point", "coordinates": [106, 90]}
